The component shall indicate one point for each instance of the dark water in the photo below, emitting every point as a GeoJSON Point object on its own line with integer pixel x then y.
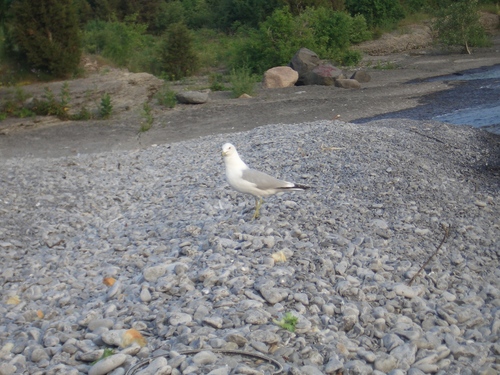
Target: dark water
{"type": "Point", "coordinates": [474, 100]}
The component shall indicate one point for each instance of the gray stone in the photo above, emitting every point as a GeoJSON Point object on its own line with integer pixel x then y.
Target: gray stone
{"type": "Point", "coordinates": [193, 97]}
{"type": "Point", "coordinates": [361, 76]}
{"type": "Point", "coordinates": [280, 77]}
{"type": "Point", "coordinates": [204, 358]}
{"type": "Point", "coordinates": [107, 364]}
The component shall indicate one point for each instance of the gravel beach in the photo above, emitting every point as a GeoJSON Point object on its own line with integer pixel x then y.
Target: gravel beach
{"type": "Point", "coordinates": [153, 244]}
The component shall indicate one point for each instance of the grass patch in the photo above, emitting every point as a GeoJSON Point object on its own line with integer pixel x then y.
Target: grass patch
{"type": "Point", "coordinates": [242, 82]}
{"type": "Point", "coordinates": [147, 116]}
{"type": "Point", "coordinates": [166, 96]}
{"type": "Point", "coordinates": [106, 107]}
{"type": "Point", "coordinates": [288, 322]}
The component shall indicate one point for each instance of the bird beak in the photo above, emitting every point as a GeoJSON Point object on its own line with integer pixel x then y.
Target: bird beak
{"type": "Point", "coordinates": [223, 153]}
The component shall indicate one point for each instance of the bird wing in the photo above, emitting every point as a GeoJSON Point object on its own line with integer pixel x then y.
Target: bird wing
{"type": "Point", "coordinates": [263, 181]}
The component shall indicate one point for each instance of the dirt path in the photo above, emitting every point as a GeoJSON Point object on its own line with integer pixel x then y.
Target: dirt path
{"type": "Point", "coordinates": [387, 92]}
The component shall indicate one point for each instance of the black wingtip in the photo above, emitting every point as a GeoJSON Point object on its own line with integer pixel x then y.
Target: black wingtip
{"type": "Point", "coordinates": [299, 186]}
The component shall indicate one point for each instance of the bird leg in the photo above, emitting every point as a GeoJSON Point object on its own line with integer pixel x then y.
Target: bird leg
{"type": "Point", "coordinates": [258, 203]}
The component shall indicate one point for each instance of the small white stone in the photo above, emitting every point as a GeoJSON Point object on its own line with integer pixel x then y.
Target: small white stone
{"type": "Point", "coordinates": [107, 364]}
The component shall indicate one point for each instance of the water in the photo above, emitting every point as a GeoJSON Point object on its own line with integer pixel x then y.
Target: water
{"type": "Point", "coordinates": [486, 115]}
{"type": "Point", "coordinates": [473, 99]}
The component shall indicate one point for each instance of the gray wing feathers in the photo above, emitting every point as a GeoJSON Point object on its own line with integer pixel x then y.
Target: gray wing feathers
{"type": "Point", "coordinates": [264, 182]}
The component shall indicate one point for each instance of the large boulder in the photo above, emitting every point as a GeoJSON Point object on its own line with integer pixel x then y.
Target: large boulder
{"type": "Point", "coordinates": [303, 62]}
{"type": "Point", "coordinates": [347, 83]}
{"type": "Point", "coordinates": [361, 76]}
{"type": "Point", "coordinates": [324, 74]}
{"type": "Point", "coordinates": [279, 77]}
{"type": "Point", "coordinates": [192, 97]}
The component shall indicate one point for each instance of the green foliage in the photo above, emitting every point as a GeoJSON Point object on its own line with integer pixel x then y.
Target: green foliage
{"type": "Point", "coordinates": [288, 322]}
{"type": "Point", "coordinates": [49, 105]}
{"type": "Point", "coordinates": [458, 25]}
{"type": "Point", "coordinates": [378, 13]}
{"type": "Point", "coordinates": [118, 41]}
{"type": "Point", "coordinates": [199, 13]}
{"type": "Point", "coordinates": [14, 104]}
{"type": "Point", "coordinates": [176, 53]}
{"type": "Point", "coordinates": [358, 29]}
{"type": "Point", "coordinates": [216, 81]}
{"type": "Point", "coordinates": [106, 107]}
{"type": "Point", "coordinates": [169, 13]}
{"type": "Point", "coordinates": [108, 352]}
{"type": "Point", "coordinates": [45, 33]}
{"type": "Point", "coordinates": [233, 13]}
{"type": "Point", "coordinates": [350, 57]}
{"type": "Point", "coordinates": [166, 97]}
{"type": "Point", "coordinates": [242, 82]}
{"type": "Point", "coordinates": [328, 33]}
{"type": "Point", "coordinates": [147, 116]}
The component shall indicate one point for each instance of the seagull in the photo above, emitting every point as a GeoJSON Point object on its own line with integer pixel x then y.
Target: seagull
{"type": "Point", "coordinates": [250, 181]}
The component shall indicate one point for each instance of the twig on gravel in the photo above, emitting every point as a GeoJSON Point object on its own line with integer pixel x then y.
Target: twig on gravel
{"type": "Point", "coordinates": [428, 136]}
{"type": "Point", "coordinates": [445, 237]}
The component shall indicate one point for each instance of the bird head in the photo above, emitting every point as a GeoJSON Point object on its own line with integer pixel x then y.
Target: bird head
{"type": "Point", "coordinates": [228, 149]}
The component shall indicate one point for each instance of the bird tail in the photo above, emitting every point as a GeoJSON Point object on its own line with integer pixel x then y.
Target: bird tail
{"type": "Point", "coordinates": [296, 187]}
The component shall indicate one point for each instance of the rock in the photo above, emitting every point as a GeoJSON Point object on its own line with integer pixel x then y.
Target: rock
{"type": "Point", "coordinates": [347, 83]}
{"type": "Point", "coordinates": [357, 367]}
{"type": "Point", "coordinates": [99, 323]}
{"type": "Point", "coordinates": [311, 370]}
{"type": "Point", "coordinates": [220, 371]}
{"type": "Point", "coordinates": [279, 77]}
{"type": "Point", "coordinates": [204, 358]}
{"type": "Point", "coordinates": [113, 337]}
{"type": "Point", "coordinates": [303, 62]}
{"type": "Point", "coordinates": [108, 364]}
{"type": "Point", "coordinates": [324, 74]}
{"type": "Point", "coordinates": [361, 76]}
{"type": "Point", "coordinates": [406, 291]}
{"type": "Point", "coordinates": [178, 318]}
{"type": "Point", "coordinates": [145, 295]}
{"type": "Point", "coordinates": [38, 355]}
{"type": "Point", "coordinates": [385, 363]}
{"type": "Point", "coordinates": [158, 367]}
{"type": "Point", "coordinates": [333, 365]}
{"type": "Point", "coordinates": [192, 97]}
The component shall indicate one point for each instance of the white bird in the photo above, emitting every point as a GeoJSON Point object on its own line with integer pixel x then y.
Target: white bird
{"type": "Point", "coordinates": [249, 181]}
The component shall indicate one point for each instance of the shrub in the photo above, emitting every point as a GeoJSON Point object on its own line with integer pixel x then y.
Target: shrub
{"type": "Point", "coordinates": [358, 29]}
{"type": "Point", "coordinates": [117, 41]}
{"type": "Point", "coordinates": [328, 33]}
{"type": "Point", "coordinates": [166, 97]}
{"type": "Point", "coordinates": [458, 25]}
{"type": "Point", "coordinates": [106, 107]}
{"type": "Point", "coordinates": [242, 82]}
{"type": "Point", "coordinates": [46, 34]}
{"type": "Point", "coordinates": [378, 13]}
{"type": "Point", "coordinates": [147, 116]}
{"type": "Point", "coordinates": [176, 53]}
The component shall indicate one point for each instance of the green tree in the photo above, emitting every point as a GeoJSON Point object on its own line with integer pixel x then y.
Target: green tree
{"type": "Point", "coordinates": [378, 13]}
{"type": "Point", "coordinates": [176, 52]}
{"type": "Point", "coordinates": [232, 13]}
{"type": "Point", "coordinates": [458, 25]}
{"type": "Point", "coordinates": [46, 34]}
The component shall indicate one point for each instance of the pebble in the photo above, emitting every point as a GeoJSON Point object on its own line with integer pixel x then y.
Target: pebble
{"type": "Point", "coordinates": [107, 364]}
{"type": "Point", "coordinates": [192, 271]}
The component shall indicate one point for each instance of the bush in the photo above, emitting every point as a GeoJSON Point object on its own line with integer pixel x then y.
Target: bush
{"type": "Point", "coordinates": [166, 96]}
{"type": "Point", "coordinates": [378, 13]}
{"type": "Point", "coordinates": [242, 82]}
{"type": "Point", "coordinates": [326, 32]}
{"type": "Point", "coordinates": [458, 25]}
{"type": "Point", "coordinates": [176, 53]}
{"type": "Point", "coordinates": [46, 34]}
{"type": "Point", "coordinates": [118, 41]}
